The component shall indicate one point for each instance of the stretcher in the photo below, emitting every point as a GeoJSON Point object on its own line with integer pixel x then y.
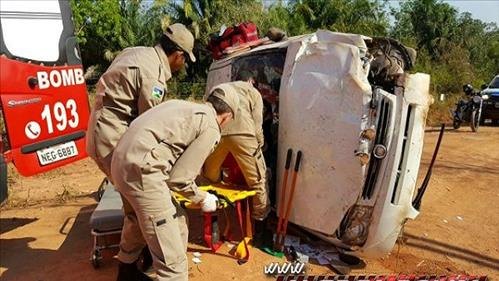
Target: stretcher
{"type": "Point", "coordinates": [106, 220]}
{"type": "Point", "coordinates": [227, 196]}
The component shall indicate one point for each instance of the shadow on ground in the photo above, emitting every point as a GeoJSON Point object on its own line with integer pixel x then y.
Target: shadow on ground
{"type": "Point", "coordinates": [450, 250]}
{"type": "Point", "coordinates": [69, 262]}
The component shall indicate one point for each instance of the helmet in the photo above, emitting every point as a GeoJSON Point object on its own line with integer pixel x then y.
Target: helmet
{"type": "Point", "coordinates": [467, 89]}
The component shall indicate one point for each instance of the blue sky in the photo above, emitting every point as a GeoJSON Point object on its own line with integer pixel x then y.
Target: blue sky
{"type": "Point", "coordinates": [485, 10]}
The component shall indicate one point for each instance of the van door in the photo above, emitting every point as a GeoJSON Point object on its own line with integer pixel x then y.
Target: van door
{"type": "Point", "coordinates": [42, 89]}
{"type": "Point", "coordinates": [323, 107]}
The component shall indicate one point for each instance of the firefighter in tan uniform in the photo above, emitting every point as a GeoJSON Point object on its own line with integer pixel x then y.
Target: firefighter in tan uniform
{"type": "Point", "coordinates": [164, 150]}
{"type": "Point", "coordinates": [133, 83]}
{"type": "Point", "coordinates": [243, 137]}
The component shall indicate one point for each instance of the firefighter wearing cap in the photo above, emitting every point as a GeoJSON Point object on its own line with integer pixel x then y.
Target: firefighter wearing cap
{"type": "Point", "coordinates": [243, 138]}
{"type": "Point", "coordinates": [163, 150]}
{"type": "Point", "coordinates": [133, 83]}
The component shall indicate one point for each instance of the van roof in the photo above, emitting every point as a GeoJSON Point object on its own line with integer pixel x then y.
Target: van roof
{"type": "Point", "coordinates": [355, 39]}
{"type": "Point", "coordinates": [276, 45]}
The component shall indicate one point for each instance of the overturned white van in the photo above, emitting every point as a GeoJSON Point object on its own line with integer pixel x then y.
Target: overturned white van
{"type": "Point", "coordinates": [347, 102]}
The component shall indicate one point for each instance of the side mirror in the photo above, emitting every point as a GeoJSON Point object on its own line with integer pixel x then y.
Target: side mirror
{"type": "Point", "coordinates": [484, 86]}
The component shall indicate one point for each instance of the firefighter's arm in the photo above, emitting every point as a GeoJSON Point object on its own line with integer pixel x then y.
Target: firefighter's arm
{"type": "Point", "coordinates": [188, 166]}
{"type": "Point", "coordinates": [150, 93]}
{"type": "Point", "coordinates": [257, 114]}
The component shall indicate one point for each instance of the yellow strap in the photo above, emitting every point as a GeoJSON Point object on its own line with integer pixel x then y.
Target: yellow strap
{"type": "Point", "coordinates": [231, 194]}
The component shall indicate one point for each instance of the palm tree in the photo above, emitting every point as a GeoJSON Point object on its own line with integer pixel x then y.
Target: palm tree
{"type": "Point", "coordinates": [205, 18]}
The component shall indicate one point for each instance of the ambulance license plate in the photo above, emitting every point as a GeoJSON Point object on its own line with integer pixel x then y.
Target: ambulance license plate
{"type": "Point", "coordinates": [57, 153]}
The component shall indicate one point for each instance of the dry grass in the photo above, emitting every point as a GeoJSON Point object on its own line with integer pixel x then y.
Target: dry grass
{"type": "Point", "coordinates": [67, 183]}
{"type": "Point", "coordinates": [441, 111]}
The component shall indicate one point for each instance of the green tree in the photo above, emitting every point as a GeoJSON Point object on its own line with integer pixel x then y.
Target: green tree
{"type": "Point", "coordinates": [205, 18]}
{"type": "Point", "coordinates": [457, 49]}
{"type": "Point", "coordinates": [105, 27]}
{"type": "Point", "coordinates": [367, 17]}
{"type": "Point", "coordinates": [98, 25]}
{"type": "Point", "coordinates": [431, 23]}
{"type": "Point", "coordinates": [492, 53]}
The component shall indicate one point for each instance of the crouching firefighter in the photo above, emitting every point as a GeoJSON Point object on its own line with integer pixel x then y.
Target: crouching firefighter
{"type": "Point", "coordinates": [163, 151]}
{"type": "Point", "coordinates": [244, 139]}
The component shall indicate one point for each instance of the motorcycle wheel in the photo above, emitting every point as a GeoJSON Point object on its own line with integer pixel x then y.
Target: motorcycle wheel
{"type": "Point", "coordinates": [475, 120]}
{"type": "Point", "coordinates": [456, 124]}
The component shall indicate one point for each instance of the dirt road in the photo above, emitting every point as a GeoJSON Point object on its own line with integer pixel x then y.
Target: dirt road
{"type": "Point", "coordinates": [44, 231]}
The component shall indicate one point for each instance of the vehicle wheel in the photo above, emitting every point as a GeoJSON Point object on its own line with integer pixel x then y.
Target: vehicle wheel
{"type": "Point", "coordinates": [475, 120]}
{"type": "Point", "coordinates": [96, 258]}
{"type": "Point", "coordinates": [456, 124]}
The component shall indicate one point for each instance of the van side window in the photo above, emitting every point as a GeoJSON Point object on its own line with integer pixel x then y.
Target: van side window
{"type": "Point", "coordinates": [266, 68]}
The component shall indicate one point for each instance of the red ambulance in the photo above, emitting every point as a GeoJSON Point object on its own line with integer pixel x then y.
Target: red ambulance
{"type": "Point", "coordinates": [44, 102]}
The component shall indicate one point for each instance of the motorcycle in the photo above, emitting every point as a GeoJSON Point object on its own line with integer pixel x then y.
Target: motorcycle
{"type": "Point", "coordinates": [469, 110]}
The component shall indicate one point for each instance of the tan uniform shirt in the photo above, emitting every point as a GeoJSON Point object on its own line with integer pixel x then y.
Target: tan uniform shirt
{"type": "Point", "coordinates": [179, 135]}
{"type": "Point", "coordinates": [249, 118]}
{"type": "Point", "coordinates": [135, 82]}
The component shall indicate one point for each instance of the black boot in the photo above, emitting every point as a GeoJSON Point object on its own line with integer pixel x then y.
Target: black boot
{"type": "Point", "coordinates": [130, 272]}
{"type": "Point", "coordinates": [263, 236]}
{"type": "Point", "coordinates": [146, 260]}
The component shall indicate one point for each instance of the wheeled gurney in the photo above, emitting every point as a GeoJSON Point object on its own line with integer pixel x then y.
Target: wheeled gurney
{"type": "Point", "coordinates": [107, 219]}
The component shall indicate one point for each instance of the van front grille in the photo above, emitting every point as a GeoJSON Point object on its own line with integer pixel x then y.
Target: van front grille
{"type": "Point", "coordinates": [382, 124]}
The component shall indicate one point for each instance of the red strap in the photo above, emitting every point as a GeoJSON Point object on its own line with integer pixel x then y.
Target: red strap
{"type": "Point", "coordinates": [227, 236]}
{"type": "Point", "coordinates": [208, 228]}
{"type": "Point", "coordinates": [240, 221]}
{"type": "Point", "coordinates": [249, 227]}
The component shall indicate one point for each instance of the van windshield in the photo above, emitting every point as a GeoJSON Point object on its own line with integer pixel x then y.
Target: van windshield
{"type": "Point", "coordinates": [495, 83]}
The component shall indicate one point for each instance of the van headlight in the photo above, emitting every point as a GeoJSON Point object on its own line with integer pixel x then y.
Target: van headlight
{"type": "Point", "coordinates": [379, 151]}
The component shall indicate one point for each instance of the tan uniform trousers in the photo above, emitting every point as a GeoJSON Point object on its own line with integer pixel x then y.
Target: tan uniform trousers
{"type": "Point", "coordinates": [130, 219]}
{"type": "Point", "coordinates": [104, 164]}
{"type": "Point", "coordinates": [249, 158]}
{"type": "Point", "coordinates": [154, 216]}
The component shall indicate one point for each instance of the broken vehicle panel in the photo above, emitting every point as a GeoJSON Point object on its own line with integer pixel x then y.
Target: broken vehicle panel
{"type": "Point", "coordinates": [347, 102]}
